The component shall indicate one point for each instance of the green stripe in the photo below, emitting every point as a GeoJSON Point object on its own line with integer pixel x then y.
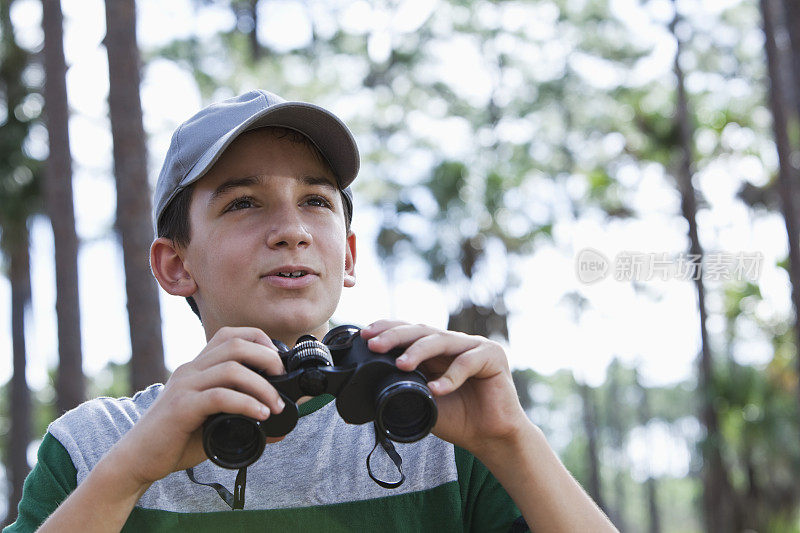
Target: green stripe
{"type": "Point", "coordinates": [314, 404]}
{"type": "Point", "coordinates": [49, 483]}
{"type": "Point", "coordinates": [431, 510]}
{"type": "Point", "coordinates": [484, 502]}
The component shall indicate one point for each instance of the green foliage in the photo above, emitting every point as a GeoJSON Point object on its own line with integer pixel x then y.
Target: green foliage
{"type": "Point", "coordinates": [553, 403]}
{"type": "Point", "coordinates": [757, 407]}
{"type": "Point", "coordinates": [447, 184]}
{"type": "Point", "coordinates": [112, 381]}
{"type": "Point", "coordinates": [43, 413]}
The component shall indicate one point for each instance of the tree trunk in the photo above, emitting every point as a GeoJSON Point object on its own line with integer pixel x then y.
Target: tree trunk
{"type": "Point", "coordinates": [20, 407]}
{"type": "Point", "coordinates": [616, 432]}
{"type": "Point", "coordinates": [786, 174]}
{"type": "Point", "coordinates": [476, 319]}
{"type": "Point", "coordinates": [16, 203]}
{"type": "Point", "coordinates": [752, 519]}
{"type": "Point", "coordinates": [653, 512]}
{"type": "Point", "coordinates": [255, 47]}
{"type": "Point", "coordinates": [246, 13]}
{"type": "Point", "coordinates": [792, 18]}
{"type": "Point", "coordinates": [716, 491]}
{"type": "Point", "coordinates": [70, 386]}
{"type": "Point", "coordinates": [133, 194]}
{"type": "Point", "coordinates": [595, 488]}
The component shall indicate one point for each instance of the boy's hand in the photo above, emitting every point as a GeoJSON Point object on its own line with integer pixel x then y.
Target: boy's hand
{"type": "Point", "coordinates": [168, 437]}
{"type": "Point", "coordinates": [479, 411]}
{"type": "Point", "coordinates": [469, 376]}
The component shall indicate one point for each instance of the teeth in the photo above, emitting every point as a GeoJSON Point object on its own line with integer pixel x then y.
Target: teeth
{"type": "Point", "coordinates": [295, 274]}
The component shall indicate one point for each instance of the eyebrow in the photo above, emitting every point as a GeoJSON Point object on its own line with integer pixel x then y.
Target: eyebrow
{"type": "Point", "coordinates": [317, 181]}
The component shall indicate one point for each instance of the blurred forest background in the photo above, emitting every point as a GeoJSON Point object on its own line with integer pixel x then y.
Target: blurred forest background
{"type": "Point", "coordinates": [575, 109]}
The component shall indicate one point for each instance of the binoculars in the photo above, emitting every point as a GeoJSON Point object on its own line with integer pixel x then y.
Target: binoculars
{"type": "Point", "coordinates": [367, 385]}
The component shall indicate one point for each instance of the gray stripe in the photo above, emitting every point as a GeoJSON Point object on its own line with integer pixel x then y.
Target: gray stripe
{"type": "Point", "coordinates": [322, 461]}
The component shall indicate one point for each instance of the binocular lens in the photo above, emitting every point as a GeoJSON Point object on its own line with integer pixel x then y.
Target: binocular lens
{"type": "Point", "coordinates": [405, 411]}
{"type": "Point", "coordinates": [233, 441]}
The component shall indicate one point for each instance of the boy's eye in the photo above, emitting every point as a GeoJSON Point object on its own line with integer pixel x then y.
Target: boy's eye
{"type": "Point", "coordinates": [245, 202]}
{"type": "Point", "coordinates": [319, 201]}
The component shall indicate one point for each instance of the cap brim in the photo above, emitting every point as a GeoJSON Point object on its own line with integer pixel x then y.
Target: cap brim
{"type": "Point", "coordinates": [326, 131]}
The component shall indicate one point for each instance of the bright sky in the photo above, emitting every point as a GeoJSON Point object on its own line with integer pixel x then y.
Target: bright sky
{"type": "Point", "coordinates": [658, 331]}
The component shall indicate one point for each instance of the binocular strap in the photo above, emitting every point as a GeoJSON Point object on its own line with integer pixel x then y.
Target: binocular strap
{"type": "Point", "coordinates": [388, 447]}
{"type": "Point", "coordinates": [235, 500]}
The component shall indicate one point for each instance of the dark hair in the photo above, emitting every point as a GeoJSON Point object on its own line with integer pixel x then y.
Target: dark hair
{"type": "Point", "coordinates": [174, 221]}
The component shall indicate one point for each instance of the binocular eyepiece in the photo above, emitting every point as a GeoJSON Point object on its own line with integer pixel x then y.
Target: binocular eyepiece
{"type": "Point", "coordinates": [368, 387]}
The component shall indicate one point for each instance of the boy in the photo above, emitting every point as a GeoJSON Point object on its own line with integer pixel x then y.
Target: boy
{"type": "Point", "coordinates": [252, 214]}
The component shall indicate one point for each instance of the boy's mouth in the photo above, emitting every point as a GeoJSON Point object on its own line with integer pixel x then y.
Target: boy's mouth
{"type": "Point", "coordinates": [291, 271]}
{"type": "Point", "coordinates": [291, 276]}
{"type": "Point", "coordinates": [295, 274]}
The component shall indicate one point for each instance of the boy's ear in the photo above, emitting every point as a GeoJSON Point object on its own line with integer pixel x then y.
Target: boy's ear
{"type": "Point", "coordinates": [167, 267]}
{"type": "Point", "coordinates": [350, 261]}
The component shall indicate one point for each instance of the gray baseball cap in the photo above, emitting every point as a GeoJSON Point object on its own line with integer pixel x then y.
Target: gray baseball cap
{"type": "Point", "coordinates": [200, 141]}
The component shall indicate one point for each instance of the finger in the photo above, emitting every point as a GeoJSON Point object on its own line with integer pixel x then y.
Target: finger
{"type": "Point", "coordinates": [401, 334]}
{"type": "Point", "coordinates": [227, 333]}
{"type": "Point", "coordinates": [233, 375]}
{"type": "Point", "coordinates": [376, 328]}
{"type": "Point", "coordinates": [222, 400]}
{"type": "Point", "coordinates": [438, 343]}
{"type": "Point", "coordinates": [472, 363]}
{"type": "Point", "coordinates": [253, 355]}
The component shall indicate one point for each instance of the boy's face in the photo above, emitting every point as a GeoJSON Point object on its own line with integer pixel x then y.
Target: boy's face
{"type": "Point", "coordinates": [268, 244]}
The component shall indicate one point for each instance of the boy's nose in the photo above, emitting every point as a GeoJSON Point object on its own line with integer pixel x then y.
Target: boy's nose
{"type": "Point", "coordinates": [288, 231]}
